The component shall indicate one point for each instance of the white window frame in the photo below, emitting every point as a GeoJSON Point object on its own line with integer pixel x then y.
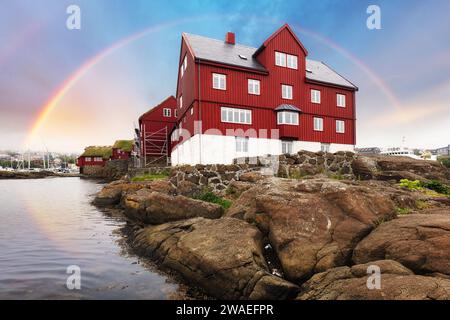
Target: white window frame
{"type": "Point", "coordinates": [287, 91]}
{"type": "Point", "coordinates": [286, 147]}
{"type": "Point", "coordinates": [235, 115]}
{"type": "Point", "coordinates": [181, 102]}
{"type": "Point", "coordinates": [291, 61]}
{"type": "Point", "coordinates": [254, 87]}
{"type": "Point", "coordinates": [340, 126]}
{"type": "Point", "coordinates": [315, 96]}
{"type": "Point", "coordinates": [219, 81]}
{"type": "Point", "coordinates": [167, 112]}
{"type": "Point", "coordinates": [241, 144]}
{"type": "Point", "coordinates": [280, 59]}
{"type": "Point", "coordinates": [88, 159]}
{"type": "Point", "coordinates": [192, 111]}
{"type": "Point", "coordinates": [183, 66]}
{"type": "Point", "coordinates": [325, 147]}
{"type": "Point", "coordinates": [340, 100]}
{"type": "Point", "coordinates": [318, 124]}
{"type": "Point", "coordinates": [288, 117]}
{"type": "Point", "coordinates": [98, 159]}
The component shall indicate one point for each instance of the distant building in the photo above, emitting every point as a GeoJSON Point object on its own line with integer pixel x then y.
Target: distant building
{"type": "Point", "coordinates": [93, 157]}
{"type": "Point", "coordinates": [155, 127]}
{"type": "Point", "coordinates": [444, 151]}
{"type": "Point", "coordinates": [372, 150]}
{"type": "Point", "coordinates": [122, 149]}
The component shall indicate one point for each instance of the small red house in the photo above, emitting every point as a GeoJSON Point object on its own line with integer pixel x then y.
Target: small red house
{"type": "Point", "coordinates": [155, 127]}
{"type": "Point", "coordinates": [234, 100]}
{"type": "Point", "coordinates": [94, 156]}
{"type": "Point", "coordinates": [122, 149]}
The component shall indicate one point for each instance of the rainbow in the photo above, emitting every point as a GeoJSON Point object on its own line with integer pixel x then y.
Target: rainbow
{"type": "Point", "coordinates": [68, 84]}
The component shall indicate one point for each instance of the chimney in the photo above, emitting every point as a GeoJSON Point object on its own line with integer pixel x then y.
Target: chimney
{"type": "Point", "coordinates": [230, 38]}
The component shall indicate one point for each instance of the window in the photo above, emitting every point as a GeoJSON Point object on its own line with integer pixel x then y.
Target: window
{"type": "Point", "coordinates": [183, 66]}
{"type": "Point", "coordinates": [234, 115]}
{"type": "Point", "coordinates": [167, 112]}
{"type": "Point", "coordinates": [219, 81]}
{"type": "Point", "coordinates": [315, 96]}
{"type": "Point", "coordinates": [98, 159]}
{"type": "Point", "coordinates": [325, 147]}
{"type": "Point", "coordinates": [192, 111]}
{"type": "Point", "coordinates": [241, 144]}
{"type": "Point", "coordinates": [286, 91]}
{"type": "Point", "coordinates": [287, 117]}
{"type": "Point", "coordinates": [340, 100]}
{"type": "Point", "coordinates": [340, 126]}
{"type": "Point", "coordinates": [291, 61]}
{"type": "Point", "coordinates": [253, 86]}
{"type": "Point", "coordinates": [286, 147]}
{"type": "Point", "coordinates": [280, 59]}
{"type": "Point", "coordinates": [88, 159]}
{"type": "Point", "coordinates": [286, 60]}
{"type": "Point", "coordinates": [181, 102]}
{"type": "Point", "coordinates": [176, 113]}
{"type": "Point", "coordinates": [318, 124]}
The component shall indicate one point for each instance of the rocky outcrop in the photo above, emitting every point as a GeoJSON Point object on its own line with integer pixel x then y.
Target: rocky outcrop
{"type": "Point", "coordinates": [313, 224]}
{"type": "Point", "coordinates": [223, 257]}
{"type": "Point", "coordinates": [418, 241]}
{"type": "Point", "coordinates": [33, 174]}
{"type": "Point", "coordinates": [396, 283]}
{"type": "Point", "coordinates": [150, 207]}
{"type": "Point", "coordinates": [113, 192]}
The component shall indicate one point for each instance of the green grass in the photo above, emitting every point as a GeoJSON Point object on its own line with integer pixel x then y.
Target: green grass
{"type": "Point", "coordinates": [208, 196]}
{"type": "Point", "coordinates": [148, 177]}
{"type": "Point", "coordinates": [432, 185]}
{"type": "Point", "coordinates": [402, 211]}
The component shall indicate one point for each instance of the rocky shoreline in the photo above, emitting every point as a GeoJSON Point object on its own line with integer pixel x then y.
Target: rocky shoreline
{"type": "Point", "coordinates": [34, 174]}
{"type": "Point", "coordinates": [310, 237]}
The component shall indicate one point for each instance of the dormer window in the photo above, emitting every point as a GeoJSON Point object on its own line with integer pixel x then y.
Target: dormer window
{"type": "Point", "coordinates": [286, 60]}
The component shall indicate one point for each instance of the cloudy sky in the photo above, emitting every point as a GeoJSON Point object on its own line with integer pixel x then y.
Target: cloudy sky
{"type": "Point", "coordinates": [64, 89]}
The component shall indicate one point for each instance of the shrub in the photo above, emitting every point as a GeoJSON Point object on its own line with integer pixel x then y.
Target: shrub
{"type": "Point", "coordinates": [411, 185]}
{"type": "Point", "coordinates": [148, 177]}
{"type": "Point", "coordinates": [208, 196]}
{"type": "Point", "coordinates": [437, 186]}
{"type": "Point", "coordinates": [445, 160]}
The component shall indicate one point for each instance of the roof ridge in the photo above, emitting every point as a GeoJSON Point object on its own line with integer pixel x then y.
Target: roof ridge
{"type": "Point", "coordinates": [238, 44]}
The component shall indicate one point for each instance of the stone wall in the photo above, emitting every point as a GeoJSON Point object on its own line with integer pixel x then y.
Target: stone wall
{"type": "Point", "coordinates": [113, 170]}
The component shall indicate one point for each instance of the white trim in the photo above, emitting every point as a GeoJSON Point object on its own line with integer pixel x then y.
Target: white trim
{"type": "Point", "coordinates": [315, 96]}
{"type": "Point", "coordinates": [167, 112]}
{"type": "Point", "coordinates": [287, 91]}
{"type": "Point", "coordinates": [318, 124]}
{"type": "Point", "coordinates": [235, 115]}
{"type": "Point", "coordinates": [280, 59]}
{"type": "Point", "coordinates": [340, 126]}
{"type": "Point", "coordinates": [287, 117]}
{"type": "Point", "coordinates": [340, 100]}
{"type": "Point", "coordinates": [219, 81]}
{"type": "Point", "coordinates": [292, 61]}
{"type": "Point", "coordinates": [254, 87]}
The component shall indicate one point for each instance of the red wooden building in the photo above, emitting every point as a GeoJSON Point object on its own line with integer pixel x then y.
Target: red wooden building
{"type": "Point", "coordinates": [234, 100]}
{"type": "Point", "coordinates": [122, 149]}
{"type": "Point", "coordinates": [94, 156]}
{"type": "Point", "coordinates": [155, 127]}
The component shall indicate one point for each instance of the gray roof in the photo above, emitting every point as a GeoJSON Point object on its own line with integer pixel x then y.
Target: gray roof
{"type": "Point", "coordinates": [219, 51]}
{"type": "Point", "coordinates": [287, 107]}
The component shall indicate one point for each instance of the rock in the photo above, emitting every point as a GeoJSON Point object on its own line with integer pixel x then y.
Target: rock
{"type": "Point", "coordinates": [112, 192]}
{"type": "Point", "coordinates": [419, 242]}
{"type": "Point", "coordinates": [364, 167]}
{"type": "Point", "coordinates": [251, 176]}
{"type": "Point", "coordinates": [223, 257]}
{"type": "Point", "coordinates": [314, 224]}
{"type": "Point", "coordinates": [397, 283]}
{"type": "Point", "coordinates": [188, 189]}
{"type": "Point", "coordinates": [236, 188]}
{"type": "Point", "coordinates": [146, 206]}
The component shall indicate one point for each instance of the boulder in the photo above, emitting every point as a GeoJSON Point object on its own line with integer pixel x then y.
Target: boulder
{"type": "Point", "coordinates": [149, 207]}
{"type": "Point", "coordinates": [251, 176]}
{"type": "Point", "coordinates": [397, 283]}
{"type": "Point", "coordinates": [112, 193]}
{"type": "Point", "coordinates": [314, 224]}
{"type": "Point", "coordinates": [223, 257]}
{"type": "Point", "coordinates": [418, 241]}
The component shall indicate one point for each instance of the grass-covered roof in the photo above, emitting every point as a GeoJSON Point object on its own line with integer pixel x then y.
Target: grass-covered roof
{"type": "Point", "coordinates": [124, 145]}
{"type": "Point", "coordinates": [98, 151]}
